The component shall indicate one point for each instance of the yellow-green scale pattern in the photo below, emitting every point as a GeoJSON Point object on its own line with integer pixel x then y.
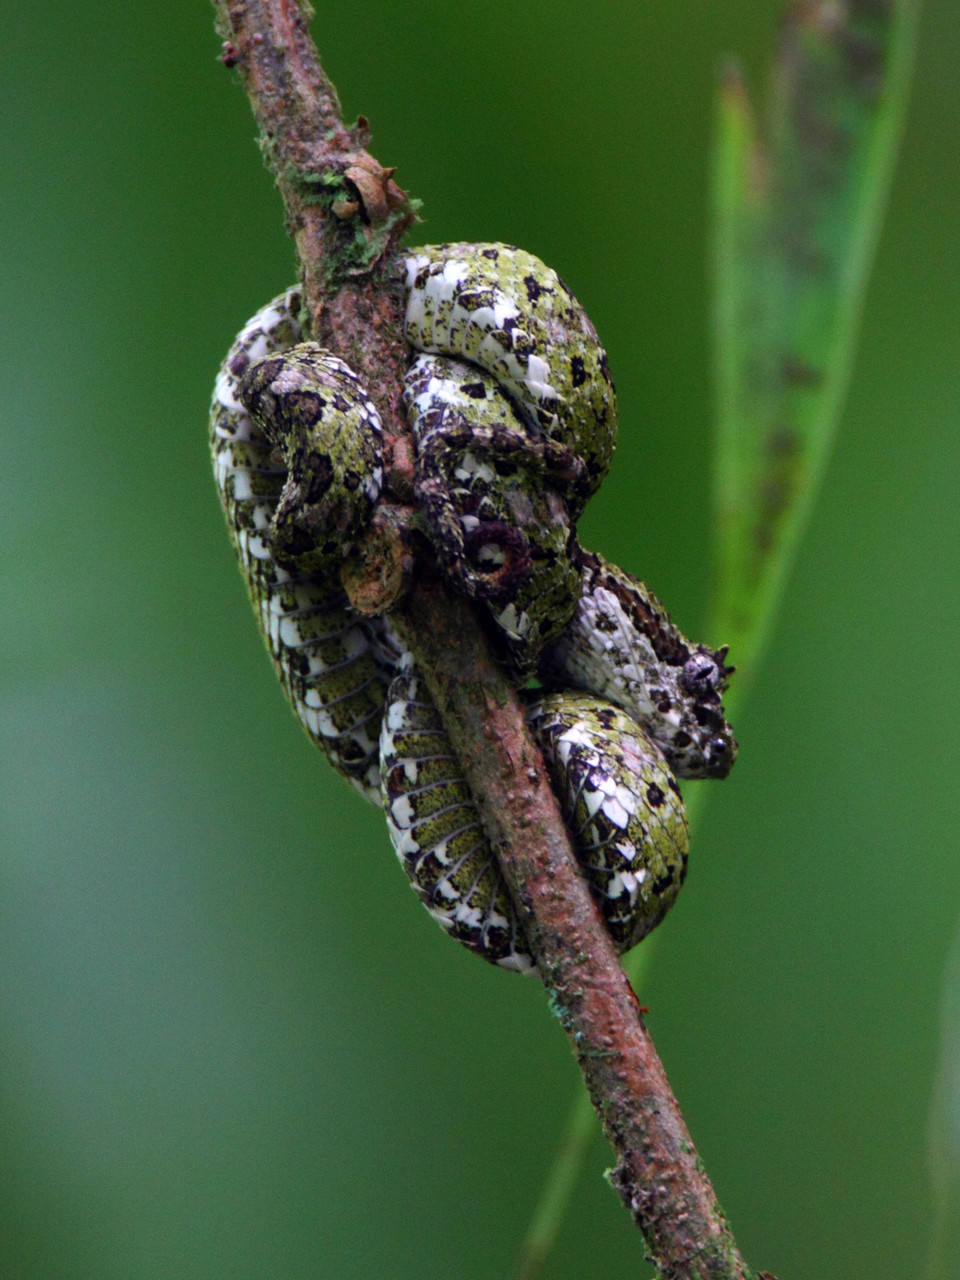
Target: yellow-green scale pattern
{"type": "Point", "coordinates": [502, 309]}
{"type": "Point", "coordinates": [620, 801]}
{"type": "Point", "coordinates": [330, 663]}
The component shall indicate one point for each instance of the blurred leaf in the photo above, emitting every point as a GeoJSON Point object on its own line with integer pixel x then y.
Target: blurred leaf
{"type": "Point", "coordinates": [798, 211]}
{"type": "Point", "coordinates": [944, 1140]}
{"type": "Point", "coordinates": [797, 218]}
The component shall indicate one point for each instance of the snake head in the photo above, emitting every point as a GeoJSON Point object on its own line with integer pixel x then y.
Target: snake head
{"type": "Point", "coordinates": [704, 676]}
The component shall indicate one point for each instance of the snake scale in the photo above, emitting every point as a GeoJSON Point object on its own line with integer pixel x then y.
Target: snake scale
{"type": "Point", "coordinates": [513, 415]}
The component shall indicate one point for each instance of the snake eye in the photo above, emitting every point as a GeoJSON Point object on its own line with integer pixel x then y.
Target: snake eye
{"type": "Point", "coordinates": [720, 753]}
{"type": "Point", "coordinates": [701, 674]}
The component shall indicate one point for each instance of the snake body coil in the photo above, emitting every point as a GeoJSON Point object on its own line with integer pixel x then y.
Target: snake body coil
{"type": "Point", "coordinates": [620, 802]}
{"type": "Point", "coordinates": [329, 662]}
{"type": "Point", "coordinates": [513, 415]}
{"type": "Point", "coordinates": [503, 310]}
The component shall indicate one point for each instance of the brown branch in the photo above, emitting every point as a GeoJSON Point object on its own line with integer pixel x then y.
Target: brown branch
{"type": "Point", "coordinates": [346, 216]}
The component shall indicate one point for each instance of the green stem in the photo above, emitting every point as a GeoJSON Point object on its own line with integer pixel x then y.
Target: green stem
{"type": "Point", "coordinates": [797, 215]}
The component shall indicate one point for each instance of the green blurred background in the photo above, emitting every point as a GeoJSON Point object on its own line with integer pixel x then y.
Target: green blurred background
{"type": "Point", "coordinates": [234, 1047]}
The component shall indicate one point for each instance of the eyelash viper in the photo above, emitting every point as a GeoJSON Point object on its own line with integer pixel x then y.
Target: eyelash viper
{"type": "Point", "coordinates": [510, 444]}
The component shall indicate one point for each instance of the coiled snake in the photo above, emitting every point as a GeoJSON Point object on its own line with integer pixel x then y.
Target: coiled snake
{"type": "Point", "coordinates": [513, 415]}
